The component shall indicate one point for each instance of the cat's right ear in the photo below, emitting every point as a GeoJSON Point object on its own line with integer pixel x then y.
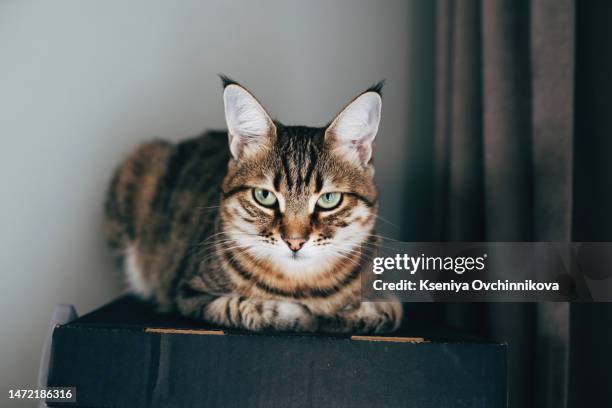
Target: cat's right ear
{"type": "Point", "coordinates": [249, 126]}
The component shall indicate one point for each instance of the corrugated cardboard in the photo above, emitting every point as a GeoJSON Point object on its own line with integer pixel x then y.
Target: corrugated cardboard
{"type": "Point", "coordinates": [124, 355]}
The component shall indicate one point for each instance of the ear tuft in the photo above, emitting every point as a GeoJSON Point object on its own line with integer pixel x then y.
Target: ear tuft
{"type": "Point", "coordinates": [249, 126]}
{"type": "Point", "coordinates": [225, 81]}
{"type": "Point", "coordinates": [352, 132]}
{"type": "Point", "coordinates": [377, 87]}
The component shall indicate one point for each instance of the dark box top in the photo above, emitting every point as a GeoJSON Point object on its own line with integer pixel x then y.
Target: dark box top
{"type": "Point", "coordinates": [126, 355]}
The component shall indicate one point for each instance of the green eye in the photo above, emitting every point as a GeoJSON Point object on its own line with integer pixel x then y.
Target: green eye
{"type": "Point", "coordinates": [329, 201]}
{"type": "Point", "coordinates": [264, 197]}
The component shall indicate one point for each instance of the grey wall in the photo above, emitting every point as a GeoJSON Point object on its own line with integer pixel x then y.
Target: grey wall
{"type": "Point", "coordinates": [81, 83]}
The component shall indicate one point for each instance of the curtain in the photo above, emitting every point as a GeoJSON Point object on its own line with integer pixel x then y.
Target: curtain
{"type": "Point", "coordinates": [504, 152]}
{"type": "Point", "coordinates": [591, 324]}
{"type": "Point", "coordinates": [523, 152]}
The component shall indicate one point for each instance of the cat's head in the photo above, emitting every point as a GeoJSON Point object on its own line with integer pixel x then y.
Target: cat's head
{"type": "Point", "coordinates": [299, 199]}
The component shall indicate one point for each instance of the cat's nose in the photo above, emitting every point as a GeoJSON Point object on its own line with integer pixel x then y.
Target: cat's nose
{"type": "Point", "coordinates": [295, 244]}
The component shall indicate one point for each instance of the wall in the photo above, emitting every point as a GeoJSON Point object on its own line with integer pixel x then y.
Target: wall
{"type": "Point", "coordinates": [81, 83]}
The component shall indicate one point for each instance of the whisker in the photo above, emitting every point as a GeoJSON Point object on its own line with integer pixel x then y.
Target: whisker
{"type": "Point", "coordinates": [203, 207]}
{"type": "Point", "coordinates": [383, 237]}
{"type": "Point", "coordinates": [362, 255]}
{"type": "Point", "coordinates": [386, 221]}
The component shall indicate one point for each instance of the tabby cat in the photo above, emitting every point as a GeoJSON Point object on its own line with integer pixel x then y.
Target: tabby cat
{"type": "Point", "coordinates": [270, 231]}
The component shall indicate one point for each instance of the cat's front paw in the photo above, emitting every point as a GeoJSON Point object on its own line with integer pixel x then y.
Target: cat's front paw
{"type": "Point", "coordinates": [278, 315]}
{"type": "Point", "coordinates": [379, 317]}
{"type": "Point", "coordinates": [369, 317]}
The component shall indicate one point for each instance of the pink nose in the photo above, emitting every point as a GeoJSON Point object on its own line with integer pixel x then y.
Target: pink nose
{"type": "Point", "coordinates": [295, 244]}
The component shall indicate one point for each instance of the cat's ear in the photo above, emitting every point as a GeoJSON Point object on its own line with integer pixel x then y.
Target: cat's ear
{"type": "Point", "coordinates": [249, 126]}
{"type": "Point", "coordinates": [352, 132]}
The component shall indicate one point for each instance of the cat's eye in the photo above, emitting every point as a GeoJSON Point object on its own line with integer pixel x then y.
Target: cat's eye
{"type": "Point", "coordinates": [329, 201]}
{"type": "Point", "coordinates": [264, 197]}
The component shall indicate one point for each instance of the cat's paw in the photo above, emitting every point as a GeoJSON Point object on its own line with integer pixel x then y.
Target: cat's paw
{"type": "Point", "coordinates": [379, 317]}
{"type": "Point", "coordinates": [370, 317]}
{"type": "Point", "coordinates": [278, 315]}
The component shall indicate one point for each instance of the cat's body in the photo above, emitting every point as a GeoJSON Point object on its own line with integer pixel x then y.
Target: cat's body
{"type": "Point", "coordinates": [247, 236]}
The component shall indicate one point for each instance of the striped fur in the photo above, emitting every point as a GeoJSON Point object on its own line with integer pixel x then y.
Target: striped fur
{"type": "Point", "coordinates": [182, 221]}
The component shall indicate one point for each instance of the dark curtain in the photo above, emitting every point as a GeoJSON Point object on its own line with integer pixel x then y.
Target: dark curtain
{"type": "Point", "coordinates": [523, 152]}
{"type": "Point", "coordinates": [591, 324]}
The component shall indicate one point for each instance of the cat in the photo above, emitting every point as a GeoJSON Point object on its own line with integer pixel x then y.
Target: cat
{"type": "Point", "coordinates": [262, 227]}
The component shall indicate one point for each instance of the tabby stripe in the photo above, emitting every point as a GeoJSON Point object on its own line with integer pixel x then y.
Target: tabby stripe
{"type": "Point", "coordinates": [129, 210]}
{"type": "Point", "coordinates": [340, 215]}
{"type": "Point", "coordinates": [300, 158]}
{"type": "Point", "coordinates": [228, 312]}
{"type": "Point", "coordinates": [235, 190]}
{"type": "Point", "coordinates": [367, 202]}
{"type": "Point", "coordinates": [180, 272]}
{"type": "Point", "coordinates": [240, 303]}
{"type": "Point", "coordinates": [297, 293]}
{"type": "Point", "coordinates": [276, 182]}
{"type": "Point", "coordinates": [215, 281]}
{"type": "Point", "coordinates": [184, 265]}
{"type": "Point", "coordinates": [112, 204]}
{"type": "Point", "coordinates": [174, 165]}
{"type": "Point", "coordinates": [232, 310]}
{"type": "Point", "coordinates": [311, 164]}
{"type": "Point", "coordinates": [183, 165]}
{"type": "Point", "coordinates": [192, 175]}
{"type": "Point", "coordinates": [319, 182]}
{"type": "Point", "coordinates": [250, 208]}
{"type": "Point", "coordinates": [285, 163]}
{"type": "Point", "coordinates": [188, 292]}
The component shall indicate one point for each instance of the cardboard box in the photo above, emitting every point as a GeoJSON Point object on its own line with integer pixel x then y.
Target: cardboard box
{"type": "Point", "coordinates": [125, 355]}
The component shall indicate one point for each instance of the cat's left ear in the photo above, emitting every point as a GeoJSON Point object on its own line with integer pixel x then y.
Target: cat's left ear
{"type": "Point", "coordinates": [249, 126]}
{"type": "Point", "coordinates": [352, 132]}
